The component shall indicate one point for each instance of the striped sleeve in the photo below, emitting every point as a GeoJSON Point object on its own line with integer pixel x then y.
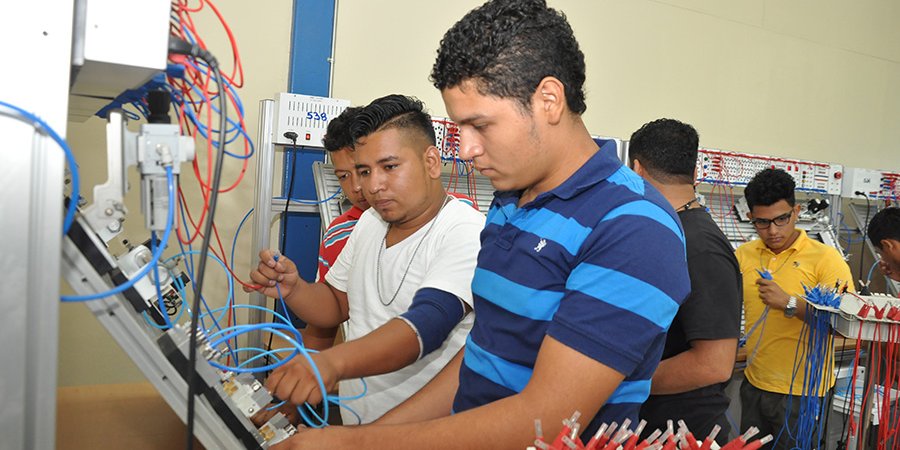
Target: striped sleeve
{"type": "Point", "coordinates": [626, 287]}
{"type": "Point", "coordinates": [333, 241]}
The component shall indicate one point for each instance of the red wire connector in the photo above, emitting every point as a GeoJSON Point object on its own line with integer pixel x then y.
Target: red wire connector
{"type": "Point", "coordinates": [893, 313]}
{"type": "Point", "coordinates": [572, 444]}
{"type": "Point", "coordinates": [633, 440]}
{"type": "Point", "coordinates": [707, 443]}
{"type": "Point", "coordinates": [598, 436]}
{"type": "Point", "coordinates": [623, 431]}
{"type": "Point", "coordinates": [739, 442]}
{"type": "Point", "coordinates": [864, 311]}
{"type": "Point", "coordinates": [755, 445]}
{"type": "Point", "coordinates": [539, 435]}
{"type": "Point", "coordinates": [568, 425]}
{"type": "Point", "coordinates": [672, 443]}
{"type": "Point", "coordinates": [688, 442]}
{"type": "Point", "coordinates": [647, 443]}
{"type": "Point", "coordinates": [620, 437]}
{"type": "Point", "coordinates": [606, 436]}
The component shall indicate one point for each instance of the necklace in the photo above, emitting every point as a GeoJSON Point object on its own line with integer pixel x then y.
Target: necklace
{"type": "Point", "coordinates": [687, 205]}
{"type": "Point", "coordinates": [411, 259]}
{"type": "Point", "coordinates": [786, 260]}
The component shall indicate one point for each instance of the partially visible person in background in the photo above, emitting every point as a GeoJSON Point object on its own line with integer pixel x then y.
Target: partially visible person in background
{"type": "Point", "coordinates": [775, 268]}
{"type": "Point", "coordinates": [884, 232]}
{"type": "Point", "coordinates": [339, 144]}
{"type": "Point", "coordinates": [698, 359]}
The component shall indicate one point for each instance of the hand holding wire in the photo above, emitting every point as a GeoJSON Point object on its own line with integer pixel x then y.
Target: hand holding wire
{"type": "Point", "coordinates": [264, 415]}
{"type": "Point", "coordinates": [295, 383]}
{"type": "Point", "coordinates": [771, 294]}
{"type": "Point", "coordinates": [274, 269]}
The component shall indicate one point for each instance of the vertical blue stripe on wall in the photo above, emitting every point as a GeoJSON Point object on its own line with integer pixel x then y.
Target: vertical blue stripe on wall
{"type": "Point", "coordinates": [310, 73]}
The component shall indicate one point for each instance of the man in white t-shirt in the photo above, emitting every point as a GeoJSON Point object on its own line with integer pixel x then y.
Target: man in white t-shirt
{"type": "Point", "coordinates": [403, 281]}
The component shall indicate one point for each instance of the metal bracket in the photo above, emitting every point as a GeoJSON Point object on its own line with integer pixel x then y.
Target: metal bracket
{"type": "Point", "coordinates": [156, 147]}
{"type": "Point", "coordinates": [108, 211]}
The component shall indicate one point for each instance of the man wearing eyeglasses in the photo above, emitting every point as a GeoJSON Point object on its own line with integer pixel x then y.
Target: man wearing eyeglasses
{"type": "Point", "coordinates": [775, 268]}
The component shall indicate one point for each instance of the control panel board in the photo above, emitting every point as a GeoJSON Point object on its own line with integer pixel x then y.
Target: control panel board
{"type": "Point", "coordinates": [446, 134]}
{"type": "Point", "coordinates": [876, 184]}
{"type": "Point", "coordinates": [732, 168]}
{"type": "Point", "coordinates": [306, 115]}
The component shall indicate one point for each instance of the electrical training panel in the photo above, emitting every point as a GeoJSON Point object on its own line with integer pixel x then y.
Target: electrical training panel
{"type": "Point", "coordinates": [306, 115]}
{"type": "Point", "coordinates": [446, 136]}
{"type": "Point", "coordinates": [234, 397]}
{"type": "Point", "coordinates": [876, 184]}
{"type": "Point", "coordinates": [731, 168]}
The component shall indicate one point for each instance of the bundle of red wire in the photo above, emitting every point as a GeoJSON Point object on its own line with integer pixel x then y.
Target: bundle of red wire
{"type": "Point", "coordinates": [195, 95]}
{"type": "Point", "coordinates": [615, 437]}
{"type": "Point", "coordinates": [449, 146]}
{"type": "Point", "coordinates": [883, 374]}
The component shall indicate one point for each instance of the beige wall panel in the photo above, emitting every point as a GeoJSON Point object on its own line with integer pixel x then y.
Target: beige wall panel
{"type": "Point", "coordinates": [804, 78]}
{"type": "Point", "coordinates": [762, 77]}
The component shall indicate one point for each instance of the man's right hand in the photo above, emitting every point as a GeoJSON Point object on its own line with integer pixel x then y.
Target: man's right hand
{"type": "Point", "coordinates": [264, 415]}
{"type": "Point", "coordinates": [295, 383]}
{"type": "Point", "coordinates": [269, 272]}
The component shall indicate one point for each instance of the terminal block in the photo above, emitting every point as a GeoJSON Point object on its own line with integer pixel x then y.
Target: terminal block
{"type": "Point", "coordinates": [277, 429]}
{"type": "Point", "coordinates": [246, 392]}
{"type": "Point", "coordinates": [230, 396]}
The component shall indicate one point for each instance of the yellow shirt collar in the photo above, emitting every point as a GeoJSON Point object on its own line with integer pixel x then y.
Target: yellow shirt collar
{"type": "Point", "coordinates": [799, 243]}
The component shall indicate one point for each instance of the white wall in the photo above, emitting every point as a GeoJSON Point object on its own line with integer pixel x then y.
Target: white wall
{"type": "Point", "coordinates": [807, 79]}
{"type": "Point", "coordinates": [802, 78]}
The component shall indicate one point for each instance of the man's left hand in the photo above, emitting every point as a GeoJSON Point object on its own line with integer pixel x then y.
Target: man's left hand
{"type": "Point", "coordinates": [264, 415]}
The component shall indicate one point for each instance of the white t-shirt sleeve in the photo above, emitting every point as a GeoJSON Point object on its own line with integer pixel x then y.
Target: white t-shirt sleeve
{"type": "Point", "coordinates": [454, 254]}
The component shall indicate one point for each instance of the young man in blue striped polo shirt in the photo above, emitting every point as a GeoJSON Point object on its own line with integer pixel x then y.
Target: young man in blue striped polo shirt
{"type": "Point", "coordinates": [582, 265]}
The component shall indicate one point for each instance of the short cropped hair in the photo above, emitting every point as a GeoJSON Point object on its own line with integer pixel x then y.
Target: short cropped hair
{"type": "Point", "coordinates": [506, 47]}
{"type": "Point", "coordinates": [885, 225]}
{"type": "Point", "coordinates": [667, 148]}
{"type": "Point", "coordinates": [769, 186]}
{"type": "Point", "coordinates": [393, 111]}
{"type": "Point", "coordinates": [337, 135]}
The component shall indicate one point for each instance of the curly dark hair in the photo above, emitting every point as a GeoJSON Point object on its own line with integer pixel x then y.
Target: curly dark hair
{"type": "Point", "coordinates": [667, 148]}
{"type": "Point", "coordinates": [337, 135]}
{"type": "Point", "coordinates": [885, 225]}
{"type": "Point", "coordinates": [507, 47]}
{"type": "Point", "coordinates": [769, 186]}
{"type": "Point", "coordinates": [393, 111]}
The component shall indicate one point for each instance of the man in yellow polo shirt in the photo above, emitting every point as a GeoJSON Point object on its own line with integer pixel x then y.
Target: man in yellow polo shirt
{"type": "Point", "coordinates": [792, 260]}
